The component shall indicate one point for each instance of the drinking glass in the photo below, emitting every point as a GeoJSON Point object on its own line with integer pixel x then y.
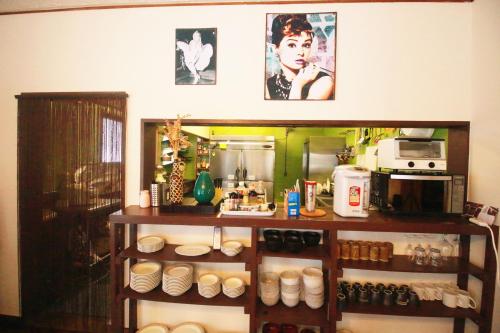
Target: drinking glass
{"type": "Point", "coordinates": [446, 248]}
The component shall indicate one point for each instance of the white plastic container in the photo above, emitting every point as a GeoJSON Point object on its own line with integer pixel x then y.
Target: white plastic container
{"type": "Point", "coordinates": [352, 191]}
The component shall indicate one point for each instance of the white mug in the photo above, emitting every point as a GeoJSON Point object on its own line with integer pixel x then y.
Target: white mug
{"type": "Point", "coordinates": [464, 300]}
{"type": "Point", "coordinates": [450, 297]}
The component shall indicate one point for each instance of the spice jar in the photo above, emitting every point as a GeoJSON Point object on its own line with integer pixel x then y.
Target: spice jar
{"type": "Point", "coordinates": [374, 252]}
{"type": "Point", "coordinates": [345, 250]}
{"type": "Point", "coordinates": [364, 251]}
{"type": "Point", "coordinates": [354, 250]}
{"type": "Point", "coordinates": [435, 257]}
{"type": "Point", "coordinates": [384, 252]}
{"type": "Point", "coordinates": [419, 255]}
{"type": "Point", "coordinates": [390, 246]}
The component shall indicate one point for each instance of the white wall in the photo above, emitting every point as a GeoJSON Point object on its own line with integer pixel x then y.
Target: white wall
{"type": "Point", "coordinates": [485, 153]}
{"type": "Point", "coordinates": [394, 61]}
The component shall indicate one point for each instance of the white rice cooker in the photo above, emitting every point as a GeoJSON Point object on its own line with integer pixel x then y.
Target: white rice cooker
{"type": "Point", "coordinates": [351, 195]}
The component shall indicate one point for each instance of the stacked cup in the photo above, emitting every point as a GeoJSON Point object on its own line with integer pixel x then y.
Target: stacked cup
{"type": "Point", "coordinates": [290, 288]}
{"type": "Point", "coordinates": [231, 248]}
{"type": "Point", "coordinates": [269, 288]}
{"type": "Point", "coordinates": [177, 279]}
{"type": "Point", "coordinates": [209, 285]}
{"type": "Point", "coordinates": [145, 276]}
{"type": "Point", "coordinates": [314, 288]}
{"type": "Point", "coordinates": [233, 287]}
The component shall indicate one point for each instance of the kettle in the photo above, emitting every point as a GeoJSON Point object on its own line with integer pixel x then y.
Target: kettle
{"type": "Point", "coordinates": [352, 191]}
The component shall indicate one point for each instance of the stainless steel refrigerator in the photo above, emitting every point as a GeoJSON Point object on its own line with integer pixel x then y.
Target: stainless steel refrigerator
{"type": "Point", "coordinates": [243, 158]}
{"type": "Point", "coordinates": [318, 159]}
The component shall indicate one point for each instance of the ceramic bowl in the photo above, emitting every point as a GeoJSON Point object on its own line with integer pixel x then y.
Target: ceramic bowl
{"type": "Point", "coordinates": [311, 238]}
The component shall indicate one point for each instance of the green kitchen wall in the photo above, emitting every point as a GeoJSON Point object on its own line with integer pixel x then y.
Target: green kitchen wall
{"type": "Point", "coordinates": [288, 153]}
{"type": "Point", "coordinates": [288, 157]}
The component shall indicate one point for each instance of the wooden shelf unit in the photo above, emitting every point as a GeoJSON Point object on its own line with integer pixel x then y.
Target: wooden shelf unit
{"type": "Point", "coordinates": [327, 316]}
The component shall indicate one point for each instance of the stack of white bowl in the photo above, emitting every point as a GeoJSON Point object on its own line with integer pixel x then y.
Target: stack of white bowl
{"type": "Point", "coordinates": [231, 248]}
{"type": "Point", "coordinates": [233, 287]}
{"type": "Point", "coordinates": [269, 288]}
{"type": "Point", "coordinates": [290, 288]}
{"type": "Point", "coordinates": [209, 285]}
{"type": "Point", "coordinates": [150, 244]}
{"type": "Point", "coordinates": [177, 279]}
{"type": "Point", "coordinates": [314, 289]}
{"type": "Point", "coordinates": [145, 276]}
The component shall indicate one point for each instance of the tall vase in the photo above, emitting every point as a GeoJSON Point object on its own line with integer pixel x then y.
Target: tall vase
{"type": "Point", "coordinates": [177, 182]}
{"type": "Point", "coordinates": [204, 189]}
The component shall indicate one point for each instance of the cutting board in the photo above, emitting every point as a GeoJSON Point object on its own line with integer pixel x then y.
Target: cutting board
{"type": "Point", "coordinates": [316, 213]}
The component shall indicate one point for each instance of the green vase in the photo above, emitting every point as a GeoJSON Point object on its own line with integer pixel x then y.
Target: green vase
{"type": "Point", "coordinates": [204, 189]}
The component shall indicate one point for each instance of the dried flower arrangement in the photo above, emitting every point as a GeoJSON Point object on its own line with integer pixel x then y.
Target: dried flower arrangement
{"type": "Point", "coordinates": [176, 139]}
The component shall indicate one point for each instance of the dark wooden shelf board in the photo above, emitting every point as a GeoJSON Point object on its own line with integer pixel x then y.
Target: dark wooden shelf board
{"type": "Point", "coordinates": [375, 222]}
{"type": "Point", "coordinates": [314, 252]}
{"type": "Point", "coordinates": [190, 297]}
{"type": "Point", "coordinates": [168, 253]}
{"type": "Point", "coordinates": [300, 314]}
{"type": "Point", "coordinates": [400, 263]}
{"type": "Point", "coordinates": [425, 309]}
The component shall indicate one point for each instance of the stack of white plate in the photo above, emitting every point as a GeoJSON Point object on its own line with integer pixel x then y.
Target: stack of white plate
{"type": "Point", "coordinates": [209, 285]}
{"type": "Point", "coordinates": [150, 244]}
{"type": "Point", "coordinates": [269, 288]}
{"type": "Point", "coordinates": [177, 279]}
{"type": "Point", "coordinates": [290, 288]}
{"type": "Point", "coordinates": [154, 328]}
{"type": "Point", "coordinates": [231, 248]}
{"type": "Point", "coordinates": [145, 276]}
{"type": "Point", "coordinates": [314, 288]}
{"type": "Point", "coordinates": [233, 287]}
{"type": "Point", "coordinates": [188, 328]}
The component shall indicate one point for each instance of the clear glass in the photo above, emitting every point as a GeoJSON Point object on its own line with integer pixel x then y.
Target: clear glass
{"type": "Point", "coordinates": [409, 250]}
{"type": "Point", "coordinates": [456, 245]}
{"type": "Point", "coordinates": [446, 248]}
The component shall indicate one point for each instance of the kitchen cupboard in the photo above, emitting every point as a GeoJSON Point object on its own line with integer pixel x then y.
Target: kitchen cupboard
{"type": "Point", "coordinates": [327, 316]}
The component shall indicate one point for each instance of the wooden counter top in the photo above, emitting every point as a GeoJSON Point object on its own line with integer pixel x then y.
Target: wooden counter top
{"type": "Point", "coordinates": [375, 222]}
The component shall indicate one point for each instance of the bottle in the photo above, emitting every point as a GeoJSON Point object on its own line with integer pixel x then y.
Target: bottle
{"type": "Point", "coordinates": [144, 199]}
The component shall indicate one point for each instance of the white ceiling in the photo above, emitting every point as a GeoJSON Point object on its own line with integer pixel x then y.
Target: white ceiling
{"type": "Point", "coordinates": [35, 5]}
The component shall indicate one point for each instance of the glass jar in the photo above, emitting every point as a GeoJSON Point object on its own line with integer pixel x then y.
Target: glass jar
{"type": "Point", "coordinates": [345, 249]}
{"type": "Point", "coordinates": [374, 252]}
{"type": "Point", "coordinates": [435, 257]}
{"type": "Point", "coordinates": [364, 251]}
{"type": "Point", "coordinates": [354, 250]}
{"type": "Point", "coordinates": [144, 199]}
{"type": "Point", "coordinates": [384, 252]}
{"type": "Point", "coordinates": [420, 256]}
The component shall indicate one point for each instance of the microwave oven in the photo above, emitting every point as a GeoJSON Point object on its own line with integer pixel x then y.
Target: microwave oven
{"type": "Point", "coordinates": [416, 194]}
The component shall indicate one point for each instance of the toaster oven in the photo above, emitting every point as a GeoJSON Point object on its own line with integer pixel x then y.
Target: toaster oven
{"type": "Point", "coordinates": [404, 153]}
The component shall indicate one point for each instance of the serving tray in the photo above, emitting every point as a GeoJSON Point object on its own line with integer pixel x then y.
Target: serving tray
{"type": "Point", "coordinates": [247, 213]}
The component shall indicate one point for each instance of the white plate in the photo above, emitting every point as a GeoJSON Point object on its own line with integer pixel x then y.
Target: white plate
{"type": "Point", "coordinates": [154, 328]}
{"type": "Point", "coordinates": [188, 328]}
{"type": "Point", "coordinates": [192, 250]}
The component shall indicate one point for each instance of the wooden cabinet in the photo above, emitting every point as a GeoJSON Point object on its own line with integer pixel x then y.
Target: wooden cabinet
{"type": "Point", "coordinates": [327, 316]}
